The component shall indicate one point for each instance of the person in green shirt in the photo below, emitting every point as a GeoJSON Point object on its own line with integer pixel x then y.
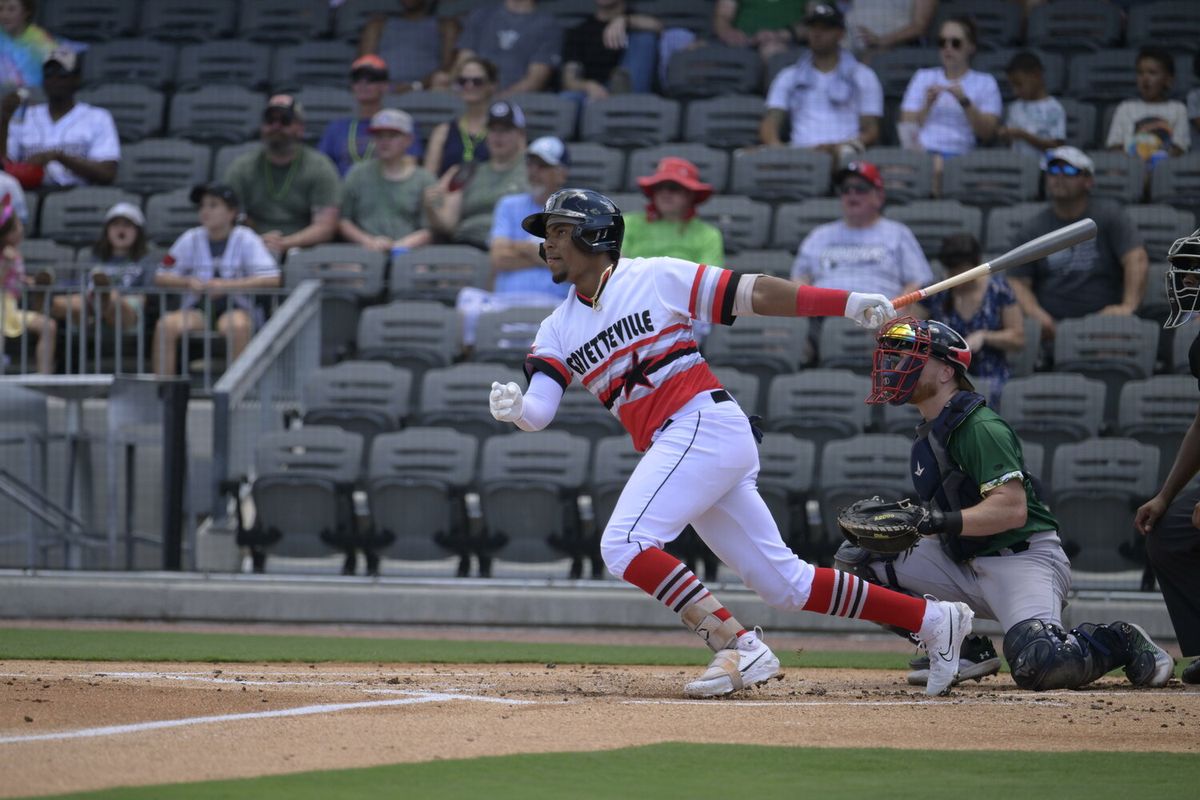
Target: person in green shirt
{"type": "Point", "coordinates": [988, 538]}
{"type": "Point", "coordinates": [381, 201]}
{"type": "Point", "coordinates": [669, 226]}
{"type": "Point", "coordinates": [289, 191]}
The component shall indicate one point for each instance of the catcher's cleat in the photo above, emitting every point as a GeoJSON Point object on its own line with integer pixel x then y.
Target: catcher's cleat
{"type": "Point", "coordinates": [1191, 673]}
{"type": "Point", "coordinates": [944, 646]}
{"type": "Point", "coordinates": [751, 663]}
{"type": "Point", "coordinates": [1149, 665]}
{"type": "Point", "coordinates": [977, 661]}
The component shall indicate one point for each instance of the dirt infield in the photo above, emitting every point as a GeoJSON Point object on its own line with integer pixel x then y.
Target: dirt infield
{"type": "Point", "coordinates": [72, 726]}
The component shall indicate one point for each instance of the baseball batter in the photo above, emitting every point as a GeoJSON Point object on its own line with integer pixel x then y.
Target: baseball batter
{"type": "Point", "coordinates": [626, 334]}
{"type": "Point", "coordinates": [982, 535]}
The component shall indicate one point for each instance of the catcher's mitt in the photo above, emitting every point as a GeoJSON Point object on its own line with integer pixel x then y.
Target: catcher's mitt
{"type": "Point", "coordinates": [883, 526]}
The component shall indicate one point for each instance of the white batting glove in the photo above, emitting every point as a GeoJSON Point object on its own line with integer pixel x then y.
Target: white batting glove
{"type": "Point", "coordinates": [868, 309]}
{"type": "Point", "coordinates": [506, 401]}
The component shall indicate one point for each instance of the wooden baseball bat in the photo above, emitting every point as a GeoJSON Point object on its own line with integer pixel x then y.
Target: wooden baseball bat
{"type": "Point", "coordinates": [1042, 246]}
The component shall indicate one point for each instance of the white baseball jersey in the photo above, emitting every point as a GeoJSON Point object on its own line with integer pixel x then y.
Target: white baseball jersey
{"type": "Point", "coordinates": [636, 351]}
{"type": "Point", "coordinates": [85, 131]}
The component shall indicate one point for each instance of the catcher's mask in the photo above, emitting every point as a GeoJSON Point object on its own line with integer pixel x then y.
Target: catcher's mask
{"type": "Point", "coordinates": [1183, 279]}
{"type": "Point", "coordinates": [903, 346]}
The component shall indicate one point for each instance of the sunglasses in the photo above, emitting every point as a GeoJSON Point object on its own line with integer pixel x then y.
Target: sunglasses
{"type": "Point", "coordinates": [368, 75]}
{"type": "Point", "coordinates": [953, 42]}
{"type": "Point", "coordinates": [278, 118]}
{"type": "Point", "coordinates": [855, 188]}
{"type": "Point", "coordinates": [1059, 168]}
{"type": "Point", "coordinates": [466, 81]}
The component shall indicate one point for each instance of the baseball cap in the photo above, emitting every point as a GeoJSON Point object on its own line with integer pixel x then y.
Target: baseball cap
{"type": "Point", "coordinates": [1070, 155]}
{"type": "Point", "coordinates": [66, 58]}
{"type": "Point", "coordinates": [551, 150]}
{"type": "Point", "coordinates": [677, 170]}
{"type": "Point", "coordinates": [126, 210]}
{"type": "Point", "coordinates": [219, 190]}
{"type": "Point", "coordinates": [369, 66]}
{"type": "Point", "coordinates": [505, 113]}
{"type": "Point", "coordinates": [286, 103]}
{"type": "Point", "coordinates": [863, 169]}
{"type": "Point", "coordinates": [825, 14]}
{"type": "Point", "coordinates": [391, 119]}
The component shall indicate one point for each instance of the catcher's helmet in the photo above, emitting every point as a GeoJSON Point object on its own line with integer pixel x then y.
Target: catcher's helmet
{"type": "Point", "coordinates": [1183, 279]}
{"type": "Point", "coordinates": [903, 346]}
{"type": "Point", "coordinates": [599, 227]}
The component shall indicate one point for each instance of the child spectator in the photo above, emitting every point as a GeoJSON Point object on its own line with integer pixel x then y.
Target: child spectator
{"type": "Point", "coordinates": [1151, 127]}
{"type": "Point", "coordinates": [17, 322]}
{"type": "Point", "coordinates": [23, 45]}
{"type": "Point", "coordinates": [1035, 122]}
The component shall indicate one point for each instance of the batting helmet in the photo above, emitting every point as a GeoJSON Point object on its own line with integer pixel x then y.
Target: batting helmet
{"type": "Point", "coordinates": [1183, 279]}
{"type": "Point", "coordinates": [903, 346]}
{"type": "Point", "coordinates": [599, 227]}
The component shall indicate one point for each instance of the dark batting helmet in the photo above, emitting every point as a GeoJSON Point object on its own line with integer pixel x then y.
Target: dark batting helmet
{"type": "Point", "coordinates": [1183, 279]}
{"type": "Point", "coordinates": [599, 227]}
{"type": "Point", "coordinates": [903, 346]}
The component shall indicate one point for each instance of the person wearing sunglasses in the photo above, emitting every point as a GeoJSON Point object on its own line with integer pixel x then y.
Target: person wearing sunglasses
{"type": "Point", "coordinates": [947, 110]}
{"type": "Point", "coordinates": [347, 140]}
{"type": "Point", "coordinates": [669, 226]}
{"type": "Point", "coordinates": [463, 140]}
{"type": "Point", "coordinates": [1105, 275]}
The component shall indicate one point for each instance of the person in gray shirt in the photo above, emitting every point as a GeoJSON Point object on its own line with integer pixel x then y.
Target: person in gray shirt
{"type": "Point", "coordinates": [526, 44]}
{"type": "Point", "coordinates": [1105, 275]}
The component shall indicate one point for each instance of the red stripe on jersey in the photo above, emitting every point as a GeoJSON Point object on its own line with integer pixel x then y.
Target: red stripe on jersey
{"type": "Point", "coordinates": [642, 417]}
{"type": "Point", "coordinates": [591, 376]}
{"type": "Point", "coordinates": [619, 381]}
{"type": "Point", "coordinates": [695, 291]}
{"type": "Point", "coordinates": [719, 296]}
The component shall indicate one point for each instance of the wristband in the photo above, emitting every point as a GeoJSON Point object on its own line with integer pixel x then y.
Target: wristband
{"type": "Point", "coordinates": [952, 522]}
{"type": "Point", "coordinates": [812, 301]}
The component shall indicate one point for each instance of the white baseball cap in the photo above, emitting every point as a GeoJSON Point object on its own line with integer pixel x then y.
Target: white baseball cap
{"type": "Point", "coordinates": [391, 119]}
{"type": "Point", "coordinates": [127, 211]}
{"type": "Point", "coordinates": [1071, 155]}
{"type": "Point", "coordinates": [551, 150]}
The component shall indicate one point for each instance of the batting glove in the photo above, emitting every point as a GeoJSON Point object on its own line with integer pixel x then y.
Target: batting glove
{"type": "Point", "coordinates": [506, 401]}
{"type": "Point", "coordinates": [869, 310]}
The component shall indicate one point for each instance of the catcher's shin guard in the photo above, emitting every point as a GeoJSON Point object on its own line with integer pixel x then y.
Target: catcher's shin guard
{"type": "Point", "coordinates": [1043, 656]}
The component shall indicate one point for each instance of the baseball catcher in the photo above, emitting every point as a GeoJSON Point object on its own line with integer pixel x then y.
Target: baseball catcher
{"type": "Point", "coordinates": [977, 531]}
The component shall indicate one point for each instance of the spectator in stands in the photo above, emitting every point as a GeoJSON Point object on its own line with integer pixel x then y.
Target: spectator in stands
{"type": "Point", "coordinates": [1105, 275]}
{"type": "Point", "coordinates": [863, 251]}
{"type": "Point", "coordinates": [769, 26]}
{"type": "Point", "coordinates": [835, 103]}
{"type": "Point", "coordinates": [525, 44]}
{"type": "Point", "coordinates": [417, 44]}
{"type": "Point", "coordinates": [70, 143]}
{"type": "Point", "coordinates": [381, 200]}
{"type": "Point", "coordinates": [460, 204]}
{"type": "Point", "coordinates": [669, 226]}
{"type": "Point", "coordinates": [216, 258]}
{"type": "Point", "coordinates": [464, 140]}
{"type": "Point", "coordinates": [10, 186]}
{"type": "Point", "coordinates": [1151, 127]}
{"type": "Point", "coordinates": [18, 322]}
{"type": "Point", "coordinates": [1193, 97]}
{"type": "Point", "coordinates": [984, 311]}
{"type": "Point", "coordinates": [947, 110]}
{"type": "Point", "coordinates": [345, 139]}
{"type": "Point", "coordinates": [613, 50]}
{"type": "Point", "coordinates": [878, 25]}
{"type": "Point", "coordinates": [520, 276]}
{"type": "Point", "coordinates": [23, 45]}
{"type": "Point", "coordinates": [1035, 122]}
{"type": "Point", "coordinates": [289, 191]}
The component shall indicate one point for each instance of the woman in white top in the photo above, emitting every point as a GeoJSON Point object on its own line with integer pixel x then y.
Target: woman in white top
{"type": "Point", "coordinates": [214, 259]}
{"type": "Point", "coordinates": [951, 107]}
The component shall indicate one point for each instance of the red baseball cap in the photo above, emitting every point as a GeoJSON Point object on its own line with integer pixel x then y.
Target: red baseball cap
{"type": "Point", "coordinates": [677, 170]}
{"type": "Point", "coordinates": [863, 169]}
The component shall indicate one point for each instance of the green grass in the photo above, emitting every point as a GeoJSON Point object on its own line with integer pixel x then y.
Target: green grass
{"type": "Point", "coordinates": [676, 770]}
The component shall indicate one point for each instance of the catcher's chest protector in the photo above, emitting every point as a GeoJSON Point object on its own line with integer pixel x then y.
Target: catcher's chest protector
{"type": "Point", "coordinates": [935, 476]}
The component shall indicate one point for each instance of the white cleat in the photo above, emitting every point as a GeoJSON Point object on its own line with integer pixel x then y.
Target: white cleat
{"type": "Point", "coordinates": [944, 646]}
{"type": "Point", "coordinates": [734, 669]}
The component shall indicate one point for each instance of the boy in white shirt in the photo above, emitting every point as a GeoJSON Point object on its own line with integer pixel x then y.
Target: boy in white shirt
{"type": "Point", "coordinates": [1035, 122]}
{"type": "Point", "coordinates": [1151, 127]}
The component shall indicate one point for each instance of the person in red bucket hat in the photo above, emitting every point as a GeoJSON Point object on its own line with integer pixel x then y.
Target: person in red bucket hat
{"type": "Point", "coordinates": [669, 226]}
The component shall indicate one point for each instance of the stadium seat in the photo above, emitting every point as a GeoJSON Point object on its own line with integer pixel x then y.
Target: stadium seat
{"type": "Point", "coordinates": [153, 165]}
{"type": "Point", "coordinates": [239, 62]}
{"type": "Point", "coordinates": [438, 272]}
{"type": "Point", "coordinates": [216, 113]}
{"type": "Point", "coordinates": [696, 17]}
{"type": "Point", "coordinates": [297, 66]}
{"type": "Point", "coordinates": [763, 346]}
{"type": "Point", "coordinates": [1004, 223]}
{"type": "Point", "coordinates": [322, 105]}
{"type": "Point", "coordinates": [77, 215]}
{"type": "Point", "coordinates": [169, 214]}
{"type": "Point", "coordinates": [1081, 123]}
{"type": "Point", "coordinates": [351, 276]}
{"type": "Point", "coordinates": [581, 414]}
{"type": "Point", "coordinates": [991, 177]}
{"type": "Point", "coordinates": [228, 153]}
{"type": "Point", "coordinates": [932, 220]}
{"type": "Point", "coordinates": [613, 461]}
{"type": "Point", "coordinates": [780, 173]}
{"type": "Point", "coordinates": [744, 386]}
{"type": "Point", "coordinates": [1074, 25]}
{"type": "Point", "coordinates": [1110, 348]}
{"type": "Point", "coordinates": [995, 62]}
{"type": "Point", "coordinates": [1154, 300]}
{"type": "Point", "coordinates": [352, 15]}
{"type": "Point", "coordinates": [1158, 410]}
{"type": "Point", "coordinates": [819, 405]}
{"type": "Point", "coordinates": [628, 202]}
{"type": "Point", "coordinates": [1098, 484]}
{"type": "Point", "coordinates": [547, 114]}
{"type": "Point", "coordinates": [283, 21]}
{"type": "Point", "coordinates": [189, 20]}
{"type": "Point", "coordinates": [842, 344]}
{"type": "Point", "coordinates": [1054, 408]}
{"type": "Point", "coordinates": [366, 397]}
{"type": "Point", "coordinates": [999, 24]}
{"type": "Point", "coordinates": [1159, 226]}
{"type": "Point", "coordinates": [1167, 23]}
{"type": "Point", "coordinates": [794, 221]}
{"type": "Point", "coordinates": [1117, 176]}
{"type": "Point", "coordinates": [895, 67]}
{"type": "Point", "coordinates": [631, 120]}
{"type": "Point", "coordinates": [902, 419]}
{"type": "Point", "coordinates": [786, 474]}
{"type": "Point", "coordinates": [137, 110]}
{"type": "Point", "coordinates": [861, 466]}
{"type": "Point", "coordinates": [569, 13]}
{"type": "Point", "coordinates": [46, 254]}
{"type": "Point", "coordinates": [1176, 181]}
{"type": "Point", "coordinates": [416, 480]}
{"type": "Point", "coordinates": [768, 262]}
{"type": "Point", "coordinates": [89, 20]}
{"type": "Point", "coordinates": [712, 163]}
{"type": "Point", "coordinates": [777, 63]}
{"type": "Point", "coordinates": [744, 223]}
{"type": "Point", "coordinates": [1034, 456]}
{"type": "Point", "coordinates": [144, 61]}
{"type": "Point", "coordinates": [451, 396]}
{"type": "Point", "coordinates": [429, 109]}
{"type": "Point", "coordinates": [726, 122]}
{"type": "Point", "coordinates": [1183, 336]}
{"type": "Point", "coordinates": [1105, 76]}
{"type": "Point", "coordinates": [596, 166]}
{"type": "Point", "coordinates": [507, 336]}
{"type": "Point", "coordinates": [907, 174]}
{"type": "Point", "coordinates": [712, 70]}
{"type": "Point", "coordinates": [417, 334]}
{"type": "Point", "coordinates": [1024, 361]}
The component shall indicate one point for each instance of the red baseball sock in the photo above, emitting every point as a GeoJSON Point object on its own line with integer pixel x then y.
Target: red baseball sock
{"type": "Point", "coordinates": [668, 580]}
{"type": "Point", "coordinates": [840, 594]}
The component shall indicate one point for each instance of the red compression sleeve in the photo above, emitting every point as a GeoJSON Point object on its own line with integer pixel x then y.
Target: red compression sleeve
{"type": "Point", "coordinates": [814, 302]}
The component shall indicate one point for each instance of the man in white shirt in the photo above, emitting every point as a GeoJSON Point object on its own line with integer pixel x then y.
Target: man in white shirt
{"type": "Point", "coordinates": [835, 102]}
{"type": "Point", "coordinates": [75, 143]}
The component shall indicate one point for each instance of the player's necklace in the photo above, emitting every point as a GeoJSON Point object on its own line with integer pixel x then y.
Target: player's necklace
{"type": "Point", "coordinates": [287, 181]}
{"type": "Point", "coordinates": [594, 300]}
{"type": "Point", "coordinates": [352, 144]}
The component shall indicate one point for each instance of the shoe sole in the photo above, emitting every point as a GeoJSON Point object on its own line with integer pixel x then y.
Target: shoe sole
{"type": "Point", "coordinates": [1163, 662]}
{"type": "Point", "coordinates": [976, 672]}
{"type": "Point", "coordinates": [718, 688]}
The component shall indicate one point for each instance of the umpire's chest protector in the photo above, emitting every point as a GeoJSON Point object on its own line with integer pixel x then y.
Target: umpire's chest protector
{"type": "Point", "coordinates": [935, 476]}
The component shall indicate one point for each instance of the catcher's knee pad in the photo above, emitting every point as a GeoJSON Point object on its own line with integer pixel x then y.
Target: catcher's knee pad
{"type": "Point", "coordinates": [860, 562]}
{"type": "Point", "coordinates": [1043, 656]}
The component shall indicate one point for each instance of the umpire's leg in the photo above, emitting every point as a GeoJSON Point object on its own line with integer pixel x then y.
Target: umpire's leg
{"type": "Point", "coordinates": [1174, 551]}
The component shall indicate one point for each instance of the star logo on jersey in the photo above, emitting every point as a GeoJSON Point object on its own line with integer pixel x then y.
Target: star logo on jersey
{"type": "Point", "coordinates": [636, 376]}
{"type": "Point", "coordinates": [920, 470]}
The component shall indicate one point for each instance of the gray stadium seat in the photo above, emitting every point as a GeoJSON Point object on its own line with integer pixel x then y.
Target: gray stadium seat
{"type": "Point", "coordinates": [596, 166]}
{"type": "Point", "coordinates": [777, 63]}
{"type": "Point", "coordinates": [1004, 223]}
{"type": "Point", "coordinates": [507, 336]}
{"type": "Point", "coordinates": [1054, 71]}
{"type": "Point", "coordinates": [696, 17]}
{"type": "Point", "coordinates": [1118, 176]}
{"type": "Point", "coordinates": [1024, 361]}
{"type": "Point", "coordinates": [77, 215]}
{"type": "Point", "coordinates": [1034, 456]}
{"type": "Point", "coordinates": [743, 386]}
{"type": "Point", "coordinates": [45, 253]}
{"type": "Point", "coordinates": [1106, 75]}
{"type": "Point", "coordinates": [991, 177]}
{"type": "Point", "coordinates": [631, 120]}
{"type": "Point", "coordinates": [283, 21]}
{"type": "Point", "coordinates": [438, 272]}
{"type": "Point", "coordinates": [1177, 181]}
{"type": "Point", "coordinates": [1074, 25]}
{"type": "Point", "coordinates": [932, 220]}
{"type": "Point", "coordinates": [842, 344]}
{"type": "Point", "coordinates": [429, 109]}
{"type": "Point", "coordinates": [296, 66]}
{"type": "Point", "coordinates": [410, 333]}
{"type": "Point", "coordinates": [350, 276]}
{"type": "Point", "coordinates": [794, 221]}
{"type": "Point", "coordinates": [712, 70]}
{"type": "Point", "coordinates": [366, 397]}
{"type": "Point", "coordinates": [216, 113]}
{"type": "Point", "coordinates": [547, 114]}
{"type": "Point", "coordinates": [819, 405]}
{"type": "Point", "coordinates": [763, 346]}
{"type": "Point", "coordinates": [907, 174]}
{"type": "Point", "coordinates": [613, 461]}
{"type": "Point", "coordinates": [568, 13]}
{"type": "Point", "coordinates": [744, 223]}
{"type": "Point", "coordinates": [712, 163]}
{"type": "Point", "coordinates": [580, 413]}
{"type": "Point", "coordinates": [169, 214]}
{"type": "Point", "coordinates": [89, 20]}
{"type": "Point", "coordinates": [781, 173]}
{"type": "Point", "coordinates": [726, 122]}
{"type": "Point", "coordinates": [1158, 410]}
{"type": "Point", "coordinates": [1154, 299]}
{"type": "Point", "coordinates": [137, 110]}
{"type": "Point", "coordinates": [858, 467]}
{"type": "Point", "coordinates": [322, 105]}
{"type": "Point", "coordinates": [999, 24]}
{"type": "Point", "coordinates": [787, 471]}
{"type": "Point", "coordinates": [351, 16]}
{"type": "Point", "coordinates": [1160, 225]}
{"type": "Point", "coordinates": [239, 62]}
{"type": "Point", "coordinates": [1110, 348]}
{"type": "Point", "coordinates": [228, 153]}
{"type": "Point", "coordinates": [1081, 123]}
{"type": "Point", "coordinates": [1184, 335]}
{"type": "Point", "coordinates": [1167, 23]}
{"type": "Point", "coordinates": [895, 67]}
{"type": "Point", "coordinates": [1053, 408]}
{"type": "Point", "coordinates": [457, 396]}
{"type": "Point", "coordinates": [143, 61]}
{"type": "Point", "coordinates": [902, 419]}
{"type": "Point", "coordinates": [153, 165]}
{"type": "Point", "coordinates": [768, 262]}
{"type": "Point", "coordinates": [189, 20]}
